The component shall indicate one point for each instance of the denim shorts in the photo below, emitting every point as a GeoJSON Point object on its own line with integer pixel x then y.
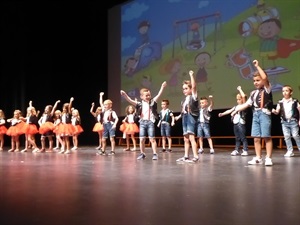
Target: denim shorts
{"type": "Point", "coordinates": [203, 130]}
{"type": "Point", "coordinates": [165, 129]}
{"type": "Point", "coordinates": [189, 124]}
{"type": "Point", "coordinates": [147, 127]}
{"type": "Point", "coordinates": [261, 124]}
{"type": "Point", "coordinates": [108, 131]}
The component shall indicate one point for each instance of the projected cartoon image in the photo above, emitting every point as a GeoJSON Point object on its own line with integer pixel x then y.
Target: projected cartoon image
{"type": "Point", "coordinates": [163, 40]}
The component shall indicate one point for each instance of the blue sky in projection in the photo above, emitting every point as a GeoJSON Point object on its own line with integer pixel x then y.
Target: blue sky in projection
{"type": "Point", "coordinates": [162, 13]}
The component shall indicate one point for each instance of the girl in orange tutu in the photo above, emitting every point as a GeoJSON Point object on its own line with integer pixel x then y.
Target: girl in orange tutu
{"type": "Point", "coordinates": [66, 129]}
{"type": "Point", "coordinates": [3, 129]}
{"type": "Point", "coordinates": [98, 127]}
{"type": "Point", "coordinates": [30, 128]}
{"type": "Point", "coordinates": [129, 127]}
{"type": "Point", "coordinates": [57, 123]}
{"type": "Point", "coordinates": [15, 130]}
{"type": "Point", "coordinates": [76, 122]}
{"type": "Point", "coordinates": [46, 123]}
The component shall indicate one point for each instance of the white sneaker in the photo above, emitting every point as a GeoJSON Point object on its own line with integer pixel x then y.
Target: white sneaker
{"type": "Point", "coordinates": [182, 159]}
{"type": "Point", "coordinates": [245, 153]}
{"type": "Point", "coordinates": [255, 161]}
{"type": "Point", "coordinates": [268, 161]}
{"type": "Point", "coordinates": [289, 154]}
{"type": "Point", "coordinates": [234, 152]}
{"type": "Point", "coordinates": [212, 151]}
{"type": "Point", "coordinates": [200, 151]}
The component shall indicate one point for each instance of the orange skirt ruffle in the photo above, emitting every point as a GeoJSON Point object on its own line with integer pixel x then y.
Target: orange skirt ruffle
{"type": "Point", "coordinates": [30, 128]}
{"type": "Point", "coordinates": [3, 129]}
{"type": "Point", "coordinates": [129, 128]}
{"type": "Point", "coordinates": [78, 129]}
{"type": "Point", "coordinates": [65, 129]}
{"type": "Point", "coordinates": [98, 127]}
{"type": "Point", "coordinates": [46, 127]}
{"type": "Point", "coordinates": [15, 130]}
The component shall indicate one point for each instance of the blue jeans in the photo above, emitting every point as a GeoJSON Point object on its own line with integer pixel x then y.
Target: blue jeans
{"type": "Point", "coordinates": [203, 130]}
{"type": "Point", "coordinates": [290, 129]}
{"type": "Point", "coordinates": [261, 124]}
{"type": "Point", "coordinates": [108, 131]}
{"type": "Point", "coordinates": [165, 130]}
{"type": "Point", "coordinates": [240, 136]}
{"type": "Point", "coordinates": [147, 127]}
{"type": "Point", "coordinates": [189, 124]}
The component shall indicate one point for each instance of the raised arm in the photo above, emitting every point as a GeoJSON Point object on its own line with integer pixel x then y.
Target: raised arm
{"type": "Point", "coordinates": [243, 95]}
{"type": "Point", "coordinates": [127, 98]}
{"type": "Point", "coordinates": [162, 87]}
{"type": "Point", "coordinates": [193, 82]}
{"type": "Point", "coordinates": [70, 105]}
{"type": "Point", "coordinates": [92, 109]}
{"type": "Point", "coordinates": [211, 102]}
{"type": "Point", "coordinates": [262, 73]}
{"type": "Point", "coordinates": [54, 107]}
{"type": "Point", "coordinates": [101, 99]}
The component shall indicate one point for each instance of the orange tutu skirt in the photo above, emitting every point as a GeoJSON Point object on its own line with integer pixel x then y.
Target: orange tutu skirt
{"type": "Point", "coordinates": [129, 128]}
{"type": "Point", "coordinates": [98, 127]}
{"type": "Point", "coordinates": [3, 129]}
{"type": "Point", "coordinates": [46, 127]}
{"type": "Point", "coordinates": [30, 128]}
{"type": "Point", "coordinates": [66, 129]}
{"type": "Point", "coordinates": [15, 130]}
{"type": "Point", "coordinates": [78, 129]}
{"type": "Point", "coordinates": [57, 128]}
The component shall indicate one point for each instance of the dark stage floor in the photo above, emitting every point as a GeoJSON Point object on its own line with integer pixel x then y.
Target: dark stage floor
{"type": "Point", "coordinates": [82, 188]}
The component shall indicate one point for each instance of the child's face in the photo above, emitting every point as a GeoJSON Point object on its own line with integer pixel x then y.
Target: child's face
{"type": "Point", "coordinates": [164, 105]}
{"type": "Point", "coordinates": [239, 99]}
{"type": "Point", "coordinates": [203, 103]}
{"type": "Point", "coordinates": [258, 82]}
{"type": "Point", "coordinates": [186, 90]}
{"type": "Point", "coordinates": [286, 92]}
{"type": "Point", "coordinates": [146, 96]}
{"type": "Point", "coordinates": [107, 106]}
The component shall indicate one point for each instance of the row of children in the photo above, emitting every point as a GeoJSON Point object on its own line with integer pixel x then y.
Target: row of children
{"type": "Point", "coordinates": [196, 118]}
{"type": "Point", "coordinates": [63, 124]}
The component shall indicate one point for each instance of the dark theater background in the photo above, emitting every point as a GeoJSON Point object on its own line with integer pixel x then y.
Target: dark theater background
{"type": "Point", "coordinates": [53, 50]}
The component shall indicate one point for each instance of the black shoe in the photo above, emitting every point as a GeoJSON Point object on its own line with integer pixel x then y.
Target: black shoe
{"type": "Point", "coordinates": [170, 150]}
{"type": "Point", "coordinates": [100, 153]}
{"type": "Point", "coordinates": [163, 150]}
{"type": "Point", "coordinates": [112, 153]}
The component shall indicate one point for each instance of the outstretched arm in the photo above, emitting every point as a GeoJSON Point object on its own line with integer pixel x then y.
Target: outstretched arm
{"type": "Point", "coordinates": [70, 104]}
{"type": "Point", "coordinates": [163, 85]}
{"type": "Point", "coordinates": [127, 98]}
{"type": "Point", "coordinates": [211, 102]}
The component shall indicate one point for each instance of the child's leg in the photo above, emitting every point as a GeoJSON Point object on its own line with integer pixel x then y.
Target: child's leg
{"type": "Point", "coordinates": [12, 143]}
{"type": "Point", "coordinates": [163, 142]}
{"type": "Point", "coordinates": [269, 147]}
{"type": "Point", "coordinates": [210, 143]}
{"type": "Point", "coordinates": [194, 145]}
{"type": "Point", "coordinates": [133, 142]}
{"type": "Point", "coordinates": [50, 139]}
{"type": "Point", "coordinates": [127, 142]}
{"type": "Point", "coordinates": [43, 142]}
{"type": "Point", "coordinates": [1, 142]}
{"type": "Point", "coordinates": [257, 146]}
{"type": "Point", "coordinates": [169, 143]}
{"type": "Point", "coordinates": [113, 143]}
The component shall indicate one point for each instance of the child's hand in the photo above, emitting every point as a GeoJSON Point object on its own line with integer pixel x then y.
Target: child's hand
{"type": "Point", "coordinates": [255, 62]}
{"type": "Point", "coordinates": [220, 114]}
{"type": "Point", "coordinates": [210, 96]}
{"type": "Point", "coordinates": [239, 88]}
{"type": "Point", "coordinates": [164, 84]}
{"type": "Point", "coordinates": [93, 103]}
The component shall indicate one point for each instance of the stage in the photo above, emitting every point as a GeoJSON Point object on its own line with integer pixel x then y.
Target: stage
{"type": "Point", "coordinates": [86, 189]}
